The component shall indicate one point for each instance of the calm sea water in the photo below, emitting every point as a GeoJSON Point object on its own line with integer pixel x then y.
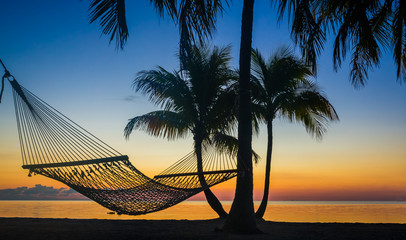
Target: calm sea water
{"type": "Point", "coordinates": [291, 211]}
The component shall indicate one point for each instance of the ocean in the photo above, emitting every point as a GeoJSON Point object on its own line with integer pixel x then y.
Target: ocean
{"type": "Point", "coordinates": [284, 211]}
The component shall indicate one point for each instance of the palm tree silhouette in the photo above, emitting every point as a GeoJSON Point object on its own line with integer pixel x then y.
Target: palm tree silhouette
{"type": "Point", "coordinates": [195, 100]}
{"type": "Point", "coordinates": [281, 88]}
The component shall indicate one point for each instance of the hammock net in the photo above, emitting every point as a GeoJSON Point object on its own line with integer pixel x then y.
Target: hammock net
{"type": "Point", "coordinates": [54, 146]}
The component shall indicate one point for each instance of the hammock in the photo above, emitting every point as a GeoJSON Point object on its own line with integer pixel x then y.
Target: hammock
{"type": "Point", "coordinates": [54, 146]}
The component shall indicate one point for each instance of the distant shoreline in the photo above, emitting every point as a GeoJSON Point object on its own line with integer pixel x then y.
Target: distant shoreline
{"type": "Point", "coordinates": [76, 229]}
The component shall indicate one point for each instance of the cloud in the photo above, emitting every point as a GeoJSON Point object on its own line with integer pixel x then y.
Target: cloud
{"type": "Point", "coordinates": [40, 192]}
{"type": "Point", "coordinates": [130, 98]}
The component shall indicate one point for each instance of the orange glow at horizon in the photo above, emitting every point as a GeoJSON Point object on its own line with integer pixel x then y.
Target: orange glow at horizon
{"type": "Point", "coordinates": [287, 183]}
{"type": "Point", "coordinates": [297, 174]}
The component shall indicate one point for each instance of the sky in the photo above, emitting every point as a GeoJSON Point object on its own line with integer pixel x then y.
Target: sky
{"type": "Point", "coordinates": [52, 50]}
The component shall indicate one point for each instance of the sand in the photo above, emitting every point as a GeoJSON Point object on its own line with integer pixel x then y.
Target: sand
{"type": "Point", "coordinates": [89, 229]}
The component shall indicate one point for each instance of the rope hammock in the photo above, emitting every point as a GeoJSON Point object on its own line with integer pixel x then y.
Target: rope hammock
{"type": "Point", "coordinates": [54, 146]}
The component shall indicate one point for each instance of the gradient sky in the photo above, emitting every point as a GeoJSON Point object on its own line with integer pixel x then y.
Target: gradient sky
{"type": "Point", "coordinates": [53, 51]}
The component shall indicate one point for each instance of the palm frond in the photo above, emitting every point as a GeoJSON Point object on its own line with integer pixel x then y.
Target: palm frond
{"type": "Point", "coordinates": [111, 16]}
{"type": "Point", "coordinates": [307, 32]}
{"type": "Point", "coordinates": [362, 29]}
{"type": "Point", "coordinates": [208, 75]}
{"type": "Point", "coordinates": [259, 66]}
{"type": "Point", "coordinates": [197, 21]}
{"type": "Point", "coordinates": [311, 108]}
{"type": "Point", "coordinates": [360, 64]}
{"type": "Point", "coordinates": [282, 88]}
{"type": "Point", "coordinates": [308, 29]}
{"type": "Point", "coordinates": [229, 145]}
{"type": "Point", "coordinates": [165, 6]}
{"type": "Point", "coordinates": [223, 112]}
{"type": "Point", "coordinates": [164, 124]}
{"type": "Point", "coordinates": [165, 89]}
{"type": "Point", "coordinates": [399, 39]}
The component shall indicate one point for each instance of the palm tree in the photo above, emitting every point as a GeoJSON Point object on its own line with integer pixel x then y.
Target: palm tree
{"type": "Point", "coordinates": [195, 100]}
{"type": "Point", "coordinates": [241, 216]}
{"type": "Point", "coordinates": [281, 88]}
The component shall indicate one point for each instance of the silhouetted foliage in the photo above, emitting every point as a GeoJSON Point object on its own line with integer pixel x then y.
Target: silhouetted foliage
{"type": "Point", "coordinates": [363, 28]}
{"type": "Point", "coordinates": [195, 100]}
{"type": "Point", "coordinates": [281, 88]}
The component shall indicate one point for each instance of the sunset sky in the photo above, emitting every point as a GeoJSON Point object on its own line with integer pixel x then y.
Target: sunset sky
{"type": "Point", "coordinates": [52, 50]}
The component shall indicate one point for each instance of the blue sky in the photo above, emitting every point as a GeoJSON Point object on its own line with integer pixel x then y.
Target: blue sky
{"type": "Point", "coordinates": [53, 51]}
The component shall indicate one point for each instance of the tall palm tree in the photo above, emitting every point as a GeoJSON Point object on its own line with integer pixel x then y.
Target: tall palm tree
{"type": "Point", "coordinates": [195, 100]}
{"type": "Point", "coordinates": [241, 216]}
{"type": "Point", "coordinates": [281, 88]}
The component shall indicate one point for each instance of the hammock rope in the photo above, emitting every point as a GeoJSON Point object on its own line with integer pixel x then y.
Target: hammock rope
{"type": "Point", "coordinates": [54, 146]}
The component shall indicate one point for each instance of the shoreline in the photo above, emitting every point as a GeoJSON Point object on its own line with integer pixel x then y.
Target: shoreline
{"type": "Point", "coordinates": [76, 229]}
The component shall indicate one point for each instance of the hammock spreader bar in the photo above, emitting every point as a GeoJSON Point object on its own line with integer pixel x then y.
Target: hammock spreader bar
{"type": "Point", "coordinates": [194, 173]}
{"type": "Point", "coordinates": [77, 163]}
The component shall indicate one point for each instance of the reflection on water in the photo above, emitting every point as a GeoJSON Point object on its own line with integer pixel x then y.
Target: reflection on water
{"type": "Point", "coordinates": [292, 211]}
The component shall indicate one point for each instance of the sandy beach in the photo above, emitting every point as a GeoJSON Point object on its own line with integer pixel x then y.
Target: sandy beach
{"type": "Point", "coordinates": [75, 229]}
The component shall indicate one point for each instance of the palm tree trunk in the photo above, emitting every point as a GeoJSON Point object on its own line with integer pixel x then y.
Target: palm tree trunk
{"type": "Point", "coordinates": [214, 203]}
{"type": "Point", "coordinates": [261, 210]}
{"type": "Point", "coordinates": [241, 218]}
